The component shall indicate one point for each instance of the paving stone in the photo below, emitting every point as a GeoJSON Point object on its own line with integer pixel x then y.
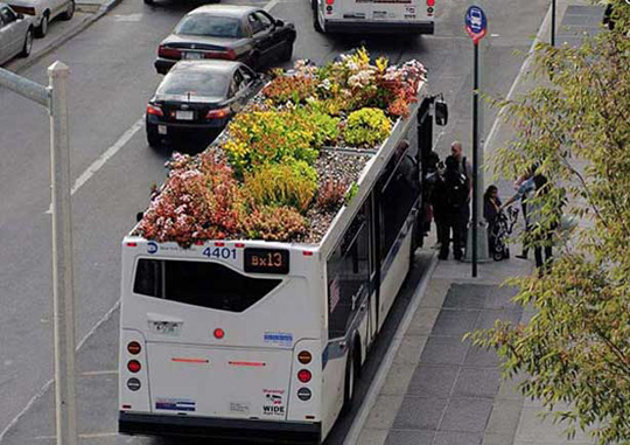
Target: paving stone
{"type": "Point", "coordinates": [474, 382]}
{"type": "Point", "coordinates": [465, 296]}
{"type": "Point", "coordinates": [466, 415]}
{"type": "Point", "coordinates": [481, 357]}
{"type": "Point", "coordinates": [432, 381]}
{"type": "Point", "coordinates": [488, 317]}
{"type": "Point", "coordinates": [413, 437]}
{"type": "Point", "coordinates": [504, 417]}
{"type": "Point", "coordinates": [383, 413]}
{"type": "Point", "coordinates": [419, 413]}
{"type": "Point", "coordinates": [444, 351]}
{"type": "Point", "coordinates": [398, 379]}
{"type": "Point", "coordinates": [423, 321]}
{"type": "Point", "coordinates": [455, 322]}
{"type": "Point", "coordinates": [410, 349]}
{"type": "Point", "coordinates": [455, 438]}
{"type": "Point", "coordinates": [497, 439]}
{"type": "Point", "coordinates": [372, 437]}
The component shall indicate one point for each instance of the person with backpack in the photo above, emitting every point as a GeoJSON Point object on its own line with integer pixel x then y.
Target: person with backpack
{"type": "Point", "coordinates": [464, 167]}
{"type": "Point", "coordinates": [451, 193]}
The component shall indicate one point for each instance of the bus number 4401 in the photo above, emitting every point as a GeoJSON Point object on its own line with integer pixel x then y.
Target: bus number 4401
{"type": "Point", "coordinates": [220, 253]}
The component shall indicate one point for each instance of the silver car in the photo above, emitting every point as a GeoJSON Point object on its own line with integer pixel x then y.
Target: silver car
{"type": "Point", "coordinates": [16, 34]}
{"type": "Point", "coordinates": [44, 11]}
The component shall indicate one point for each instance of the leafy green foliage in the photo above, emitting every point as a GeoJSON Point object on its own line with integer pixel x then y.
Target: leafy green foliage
{"type": "Point", "coordinates": [275, 224]}
{"type": "Point", "coordinates": [291, 184]}
{"type": "Point", "coordinates": [367, 127]}
{"type": "Point", "coordinates": [574, 124]}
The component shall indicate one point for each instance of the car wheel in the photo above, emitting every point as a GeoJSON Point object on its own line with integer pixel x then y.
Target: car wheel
{"type": "Point", "coordinates": [42, 29]}
{"type": "Point", "coordinates": [153, 138]}
{"type": "Point", "coordinates": [28, 43]}
{"type": "Point", "coordinates": [69, 13]}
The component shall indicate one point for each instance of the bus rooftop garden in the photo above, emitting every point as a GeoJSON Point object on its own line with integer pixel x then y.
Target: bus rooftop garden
{"type": "Point", "coordinates": [264, 268]}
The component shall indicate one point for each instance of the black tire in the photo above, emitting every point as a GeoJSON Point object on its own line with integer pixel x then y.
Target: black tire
{"type": "Point", "coordinates": [497, 255]}
{"type": "Point", "coordinates": [316, 24]}
{"type": "Point", "coordinates": [153, 138]}
{"type": "Point", "coordinates": [28, 43]}
{"type": "Point", "coordinates": [42, 29]}
{"type": "Point", "coordinates": [69, 13]}
{"type": "Point", "coordinates": [349, 382]}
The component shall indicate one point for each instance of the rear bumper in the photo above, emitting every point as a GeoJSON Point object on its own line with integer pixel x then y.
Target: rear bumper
{"type": "Point", "coordinates": [214, 124]}
{"type": "Point", "coordinates": [219, 428]}
{"type": "Point", "coordinates": [162, 66]}
{"type": "Point", "coordinates": [356, 27]}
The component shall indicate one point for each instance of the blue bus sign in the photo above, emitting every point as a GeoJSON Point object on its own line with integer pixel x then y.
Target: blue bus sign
{"type": "Point", "coordinates": [476, 23]}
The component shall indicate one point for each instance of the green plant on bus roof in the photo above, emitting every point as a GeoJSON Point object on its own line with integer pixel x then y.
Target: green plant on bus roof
{"type": "Point", "coordinates": [351, 193]}
{"type": "Point", "coordinates": [296, 88]}
{"type": "Point", "coordinates": [263, 137]}
{"type": "Point", "coordinates": [367, 127]}
{"type": "Point", "coordinates": [331, 193]}
{"type": "Point", "coordinates": [275, 224]}
{"type": "Point", "coordinates": [325, 127]}
{"type": "Point", "coordinates": [290, 184]}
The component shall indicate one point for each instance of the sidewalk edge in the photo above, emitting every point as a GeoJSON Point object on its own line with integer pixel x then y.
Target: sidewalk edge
{"type": "Point", "coordinates": [379, 379]}
{"type": "Point", "coordinates": [56, 43]}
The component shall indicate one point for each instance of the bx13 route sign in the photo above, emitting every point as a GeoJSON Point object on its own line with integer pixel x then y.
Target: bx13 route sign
{"type": "Point", "coordinates": [476, 23]}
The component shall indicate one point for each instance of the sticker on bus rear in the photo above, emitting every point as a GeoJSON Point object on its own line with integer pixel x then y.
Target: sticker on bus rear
{"type": "Point", "coordinates": [171, 404]}
{"type": "Point", "coordinates": [278, 338]}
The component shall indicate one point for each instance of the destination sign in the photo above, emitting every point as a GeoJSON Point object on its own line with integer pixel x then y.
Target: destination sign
{"type": "Point", "coordinates": [274, 261]}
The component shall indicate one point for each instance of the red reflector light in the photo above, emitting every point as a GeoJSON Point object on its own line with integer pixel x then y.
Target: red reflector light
{"type": "Point", "coordinates": [431, 3]}
{"type": "Point", "coordinates": [126, 407]}
{"type": "Point", "coordinates": [250, 364]}
{"type": "Point", "coordinates": [239, 245]}
{"type": "Point", "coordinates": [132, 244]}
{"type": "Point", "coordinates": [330, 2]}
{"type": "Point", "coordinates": [199, 243]}
{"type": "Point", "coordinates": [305, 357]}
{"type": "Point", "coordinates": [169, 53]}
{"type": "Point", "coordinates": [134, 348]}
{"type": "Point", "coordinates": [219, 244]}
{"type": "Point", "coordinates": [219, 333]}
{"type": "Point", "coordinates": [307, 253]}
{"type": "Point", "coordinates": [221, 113]}
{"type": "Point", "coordinates": [304, 375]}
{"type": "Point", "coordinates": [154, 110]}
{"type": "Point", "coordinates": [134, 366]}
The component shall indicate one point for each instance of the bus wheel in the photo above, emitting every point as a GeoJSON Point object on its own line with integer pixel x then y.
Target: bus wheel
{"type": "Point", "coordinates": [316, 23]}
{"type": "Point", "coordinates": [352, 374]}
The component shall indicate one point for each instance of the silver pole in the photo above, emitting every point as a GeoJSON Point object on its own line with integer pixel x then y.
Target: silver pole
{"type": "Point", "coordinates": [63, 279]}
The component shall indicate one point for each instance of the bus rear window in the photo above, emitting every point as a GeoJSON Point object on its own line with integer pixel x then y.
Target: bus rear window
{"type": "Point", "coordinates": [202, 284]}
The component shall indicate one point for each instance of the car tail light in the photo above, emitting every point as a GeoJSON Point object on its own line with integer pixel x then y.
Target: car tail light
{"type": "Point", "coordinates": [304, 375]}
{"type": "Point", "coordinates": [134, 366]}
{"type": "Point", "coordinates": [134, 348]}
{"type": "Point", "coordinates": [221, 113]}
{"type": "Point", "coordinates": [305, 357]}
{"type": "Point", "coordinates": [169, 53]}
{"type": "Point", "coordinates": [228, 54]}
{"type": "Point", "coordinates": [154, 110]}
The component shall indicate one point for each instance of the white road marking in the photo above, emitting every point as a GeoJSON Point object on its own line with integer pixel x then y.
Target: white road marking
{"type": "Point", "coordinates": [379, 379]}
{"type": "Point", "coordinates": [81, 436]}
{"type": "Point", "coordinates": [49, 383]}
{"type": "Point", "coordinates": [107, 155]}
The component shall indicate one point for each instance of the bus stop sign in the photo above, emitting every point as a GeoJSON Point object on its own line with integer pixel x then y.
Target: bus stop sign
{"type": "Point", "coordinates": [476, 23]}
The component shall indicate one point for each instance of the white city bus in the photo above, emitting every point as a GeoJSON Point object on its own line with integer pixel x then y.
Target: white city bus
{"type": "Point", "coordinates": [248, 338]}
{"type": "Point", "coordinates": [374, 16]}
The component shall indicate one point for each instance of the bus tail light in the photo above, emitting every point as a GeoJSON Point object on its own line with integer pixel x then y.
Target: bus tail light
{"type": "Point", "coordinates": [430, 3]}
{"type": "Point", "coordinates": [305, 357]}
{"type": "Point", "coordinates": [219, 333]}
{"type": "Point", "coordinates": [134, 348]}
{"type": "Point", "coordinates": [304, 375]}
{"type": "Point", "coordinates": [330, 2]}
{"type": "Point", "coordinates": [134, 366]}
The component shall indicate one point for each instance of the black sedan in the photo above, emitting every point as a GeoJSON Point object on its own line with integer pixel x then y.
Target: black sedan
{"type": "Point", "coordinates": [199, 96]}
{"type": "Point", "coordinates": [244, 33]}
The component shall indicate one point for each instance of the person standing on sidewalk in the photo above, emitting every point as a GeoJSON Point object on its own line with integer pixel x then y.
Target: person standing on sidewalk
{"type": "Point", "coordinates": [525, 188]}
{"type": "Point", "coordinates": [451, 195]}
{"type": "Point", "coordinates": [464, 168]}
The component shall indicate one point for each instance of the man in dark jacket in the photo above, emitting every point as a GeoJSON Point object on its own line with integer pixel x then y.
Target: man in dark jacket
{"type": "Point", "coordinates": [451, 194]}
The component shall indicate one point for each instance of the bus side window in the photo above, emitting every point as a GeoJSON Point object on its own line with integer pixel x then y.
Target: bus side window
{"type": "Point", "coordinates": [348, 275]}
{"type": "Point", "coordinates": [148, 278]}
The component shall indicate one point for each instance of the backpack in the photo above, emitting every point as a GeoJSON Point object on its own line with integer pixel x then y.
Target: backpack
{"type": "Point", "coordinates": [457, 189]}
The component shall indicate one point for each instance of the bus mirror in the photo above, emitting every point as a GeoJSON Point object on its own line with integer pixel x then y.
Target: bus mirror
{"type": "Point", "coordinates": [441, 113]}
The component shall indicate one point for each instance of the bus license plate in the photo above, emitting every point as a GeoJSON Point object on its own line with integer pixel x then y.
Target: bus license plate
{"type": "Point", "coordinates": [184, 115]}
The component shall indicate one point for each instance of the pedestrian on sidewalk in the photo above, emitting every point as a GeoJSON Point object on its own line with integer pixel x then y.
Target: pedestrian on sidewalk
{"type": "Point", "coordinates": [451, 193]}
{"type": "Point", "coordinates": [525, 187]}
{"type": "Point", "coordinates": [491, 210]}
{"type": "Point", "coordinates": [433, 209]}
{"type": "Point", "coordinates": [543, 240]}
{"type": "Point", "coordinates": [464, 168]}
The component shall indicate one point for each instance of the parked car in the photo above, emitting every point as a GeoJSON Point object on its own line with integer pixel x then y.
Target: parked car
{"type": "Point", "coordinates": [16, 34]}
{"type": "Point", "coordinates": [244, 33]}
{"type": "Point", "coordinates": [200, 95]}
{"type": "Point", "coordinates": [44, 11]}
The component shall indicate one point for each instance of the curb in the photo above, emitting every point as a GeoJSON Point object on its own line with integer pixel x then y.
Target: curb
{"type": "Point", "coordinates": [352, 437]}
{"type": "Point", "coordinates": [57, 42]}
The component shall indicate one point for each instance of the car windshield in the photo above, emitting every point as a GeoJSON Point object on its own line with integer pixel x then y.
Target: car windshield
{"type": "Point", "coordinates": [195, 83]}
{"type": "Point", "coordinates": [209, 25]}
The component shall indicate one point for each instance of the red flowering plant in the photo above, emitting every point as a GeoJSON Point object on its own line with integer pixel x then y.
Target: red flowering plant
{"type": "Point", "coordinates": [275, 224]}
{"type": "Point", "coordinates": [200, 200]}
{"type": "Point", "coordinates": [295, 88]}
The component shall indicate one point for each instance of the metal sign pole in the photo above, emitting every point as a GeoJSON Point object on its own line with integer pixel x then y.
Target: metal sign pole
{"type": "Point", "coordinates": [475, 148]}
{"type": "Point", "coordinates": [553, 22]}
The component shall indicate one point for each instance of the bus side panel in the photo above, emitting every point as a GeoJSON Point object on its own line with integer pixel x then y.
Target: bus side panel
{"type": "Point", "coordinates": [301, 408]}
{"type": "Point", "coordinates": [393, 277]}
{"type": "Point", "coordinates": [332, 386]}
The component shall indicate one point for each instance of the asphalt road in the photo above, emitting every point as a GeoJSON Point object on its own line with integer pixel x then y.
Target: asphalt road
{"type": "Point", "coordinates": [111, 78]}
